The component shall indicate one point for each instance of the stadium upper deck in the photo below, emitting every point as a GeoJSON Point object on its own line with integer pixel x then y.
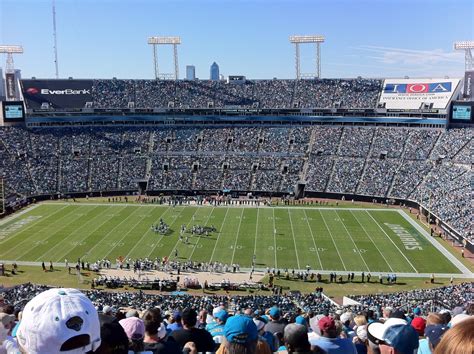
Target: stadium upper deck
{"type": "Point", "coordinates": [255, 96]}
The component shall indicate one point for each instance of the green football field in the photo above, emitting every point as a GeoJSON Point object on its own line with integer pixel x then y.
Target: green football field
{"type": "Point", "coordinates": [339, 239]}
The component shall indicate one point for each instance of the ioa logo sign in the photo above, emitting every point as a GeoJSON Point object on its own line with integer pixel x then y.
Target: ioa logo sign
{"type": "Point", "coordinates": [35, 91]}
{"type": "Point", "coordinates": [434, 87]}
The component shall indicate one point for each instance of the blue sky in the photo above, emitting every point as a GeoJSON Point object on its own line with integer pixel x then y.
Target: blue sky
{"type": "Point", "coordinates": [369, 38]}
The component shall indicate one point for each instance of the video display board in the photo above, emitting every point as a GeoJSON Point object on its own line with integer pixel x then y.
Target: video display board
{"type": "Point", "coordinates": [462, 112]}
{"type": "Point", "coordinates": [57, 94]}
{"type": "Point", "coordinates": [13, 111]}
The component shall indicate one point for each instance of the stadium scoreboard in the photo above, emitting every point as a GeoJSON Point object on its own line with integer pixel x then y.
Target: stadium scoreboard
{"type": "Point", "coordinates": [13, 111]}
{"type": "Point", "coordinates": [462, 112]}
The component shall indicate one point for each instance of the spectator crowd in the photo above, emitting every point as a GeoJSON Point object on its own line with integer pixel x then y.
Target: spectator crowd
{"type": "Point", "coordinates": [274, 94]}
{"type": "Point", "coordinates": [427, 165]}
{"type": "Point", "coordinates": [39, 319]}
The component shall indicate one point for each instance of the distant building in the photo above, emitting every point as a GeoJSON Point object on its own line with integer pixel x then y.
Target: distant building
{"type": "Point", "coordinates": [214, 71]}
{"type": "Point", "coordinates": [190, 72]}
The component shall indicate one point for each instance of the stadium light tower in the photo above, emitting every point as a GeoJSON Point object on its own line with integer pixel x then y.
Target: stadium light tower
{"type": "Point", "coordinates": [297, 40]}
{"type": "Point", "coordinates": [160, 40]}
{"type": "Point", "coordinates": [9, 50]}
{"type": "Point", "coordinates": [466, 46]}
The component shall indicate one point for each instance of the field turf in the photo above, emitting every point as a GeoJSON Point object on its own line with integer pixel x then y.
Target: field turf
{"type": "Point", "coordinates": [339, 239]}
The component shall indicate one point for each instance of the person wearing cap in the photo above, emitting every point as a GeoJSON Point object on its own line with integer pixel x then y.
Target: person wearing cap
{"type": "Point", "coordinates": [346, 319]}
{"type": "Point", "coordinates": [329, 342]}
{"type": "Point", "coordinates": [268, 337]}
{"type": "Point", "coordinates": [360, 339]}
{"type": "Point", "coordinates": [241, 336]}
{"type": "Point", "coordinates": [394, 336]}
{"type": "Point", "coordinates": [175, 323]}
{"type": "Point", "coordinates": [216, 327]}
{"type": "Point", "coordinates": [419, 324]}
{"type": "Point", "coordinates": [135, 330]}
{"type": "Point", "coordinates": [433, 334]}
{"type": "Point", "coordinates": [107, 315]}
{"type": "Point", "coordinates": [156, 340]}
{"type": "Point", "coordinates": [189, 333]}
{"type": "Point", "coordinates": [276, 325]}
{"type": "Point", "coordinates": [59, 320]}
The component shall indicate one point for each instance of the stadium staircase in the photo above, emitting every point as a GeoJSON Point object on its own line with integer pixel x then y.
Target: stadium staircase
{"type": "Point", "coordinates": [120, 169]}
{"type": "Point", "coordinates": [433, 148]}
{"type": "Point", "coordinates": [149, 161]}
{"type": "Point", "coordinates": [304, 172]}
{"type": "Point", "coordinates": [367, 160]}
{"type": "Point", "coordinates": [28, 168]}
{"type": "Point", "coordinates": [334, 159]}
{"type": "Point", "coordinates": [401, 160]}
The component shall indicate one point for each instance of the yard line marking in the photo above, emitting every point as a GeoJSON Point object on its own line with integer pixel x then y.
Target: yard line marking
{"type": "Point", "coordinates": [17, 215]}
{"type": "Point", "coordinates": [133, 228]}
{"type": "Point", "coordinates": [294, 240]}
{"type": "Point", "coordinates": [162, 236]}
{"type": "Point", "coordinates": [218, 235]}
{"type": "Point", "coordinates": [88, 253]}
{"type": "Point", "coordinates": [199, 238]}
{"type": "Point", "coordinates": [374, 243]}
{"type": "Point", "coordinates": [98, 227]}
{"type": "Point", "coordinates": [43, 256]}
{"type": "Point", "coordinates": [254, 256]}
{"type": "Point", "coordinates": [30, 226]}
{"type": "Point", "coordinates": [237, 235]}
{"type": "Point", "coordinates": [139, 242]}
{"type": "Point", "coordinates": [353, 242]}
{"type": "Point", "coordinates": [274, 239]}
{"type": "Point", "coordinates": [332, 238]}
{"type": "Point", "coordinates": [187, 225]}
{"type": "Point", "coordinates": [39, 231]}
{"type": "Point", "coordinates": [314, 241]}
{"type": "Point", "coordinates": [381, 228]}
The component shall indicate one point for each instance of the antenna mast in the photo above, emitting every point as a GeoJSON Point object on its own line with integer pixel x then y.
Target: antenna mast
{"type": "Point", "coordinates": [55, 40]}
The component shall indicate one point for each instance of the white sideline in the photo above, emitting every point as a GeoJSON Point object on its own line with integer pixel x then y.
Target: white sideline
{"type": "Point", "coordinates": [324, 272]}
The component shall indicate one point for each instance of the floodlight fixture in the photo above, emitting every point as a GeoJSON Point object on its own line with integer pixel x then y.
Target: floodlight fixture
{"type": "Point", "coordinates": [466, 46]}
{"type": "Point", "coordinates": [9, 50]}
{"type": "Point", "coordinates": [463, 45]}
{"type": "Point", "coordinates": [307, 39]}
{"type": "Point", "coordinates": [297, 40]}
{"type": "Point", "coordinates": [165, 40]}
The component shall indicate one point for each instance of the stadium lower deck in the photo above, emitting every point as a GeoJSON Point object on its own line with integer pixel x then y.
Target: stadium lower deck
{"type": "Point", "coordinates": [325, 239]}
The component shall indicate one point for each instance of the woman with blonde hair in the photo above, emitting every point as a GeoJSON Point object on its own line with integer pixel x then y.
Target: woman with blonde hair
{"type": "Point", "coordinates": [458, 340]}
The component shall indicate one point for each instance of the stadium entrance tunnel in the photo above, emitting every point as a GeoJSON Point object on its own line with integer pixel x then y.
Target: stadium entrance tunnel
{"type": "Point", "coordinates": [142, 186]}
{"type": "Point", "coordinates": [299, 190]}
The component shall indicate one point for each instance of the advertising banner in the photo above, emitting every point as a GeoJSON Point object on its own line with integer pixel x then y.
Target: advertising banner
{"type": "Point", "coordinates": [413, 94]}
{"type": "Point", "coordinates": [10, 86]}
{"type": "Point", "coordinates": [57, 94]}
{"type": "Point", "coordinates": [469, 85]}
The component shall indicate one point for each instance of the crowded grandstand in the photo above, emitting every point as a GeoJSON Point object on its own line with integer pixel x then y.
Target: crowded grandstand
{"type": "Point", "coordinates": [339, 139]}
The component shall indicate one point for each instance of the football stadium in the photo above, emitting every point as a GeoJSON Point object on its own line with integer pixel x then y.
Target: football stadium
{"type": "Point", "coordinates": [236, 215]}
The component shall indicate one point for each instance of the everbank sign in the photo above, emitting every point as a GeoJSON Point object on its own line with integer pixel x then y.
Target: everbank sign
{"type": "Point", "coordinates": [57, 93]}
{"type": "Point", "coordinates": [34, 91]}
{"type": "Point", "coordinates": [413, 93]}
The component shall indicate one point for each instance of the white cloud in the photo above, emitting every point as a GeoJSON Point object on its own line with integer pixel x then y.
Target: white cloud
{"type": "Point", "coordinates": [411, 57]}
